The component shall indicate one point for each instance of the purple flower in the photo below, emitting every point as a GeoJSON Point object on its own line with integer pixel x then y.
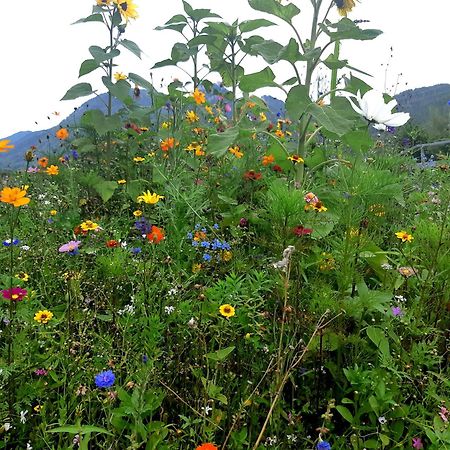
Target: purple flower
{"type": "Point", "coordinates": [9, 242]}
{"type": "Point", "coordinates": [227, 107]}
{"type": "Point", "coordinates": [323, 445]}
{"type": "Point", "coordinates": [417, 443]}
{"type": "Point", "coordinates": [397, 311]}
{"type": "Point", "coordinates": [75, 155]}
{"type": "Point", "coordinates": [105, 379]}
{"type": "Point", "coordinates": [143, 225]}
{"type": "Point", "coordinates": [71, 247]}
{"type": "Point", "coordinates": [40, 372]}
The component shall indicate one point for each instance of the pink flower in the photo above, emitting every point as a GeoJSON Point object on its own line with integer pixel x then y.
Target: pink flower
{"type": "Point", "coordinates": [444, 413]}
{"type": "Point", "coordinates": [417, 443]}
{"type": "Point", "coordinates": [300, 230]}
{"type": "Point", "coordinates": [71, 247]}
{"type": "Point", "coordinates": [15, 294]}
{"type": "Point", "coordinates": [227, 107]}
{"type": "Point", "coordinates": [397, 311]}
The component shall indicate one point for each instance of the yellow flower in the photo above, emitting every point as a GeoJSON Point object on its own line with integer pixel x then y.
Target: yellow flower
{"type": "Point", "coordinates": [52, 170]}
{"type": "Point", "coordinates": [53, 212]}
{"type": "Point", "coordinates": [404, 236]}
{"type": "Point", "coordinates": [166, 125]}
{"type": "Point", "coordinates": [88, 225]}
{"type": "Point", "coordinates": [137, 213]}
{"type": "Point", "coordinates": [279, 133]}
{"type": "Point", "coordinates": [209, 110]}
{"type": "Point", "coordinates": [5, 145]}
{"type": "Point", "coordinates": [43, 316]}
{"type": "Point", "coordinates": [120, 76]}
{"type": "Point", "coordinates": [127, 9]}
{"type": "Point", "coordinates": [319, 207]}
{"type": "Point", "coordinates": [262, 117]}
{"type": "Point", "coordinates": [344, 6]}
{"type": "Point", "coordinates": [196, 268]}
{"type": "Point", "coordinates": [296, 159]}
{"type": "Point", "coordinates": [37, 408]}
{"type": "Point", "coordinates": [191, 116]}
{"type": "Point", "coordinates": [138, 159]}
{"type": "Point", "coordinates": [23, 276]}
{"type": "Point", "coordinates": [122, 181]}
{"type": "Point", "coordinates": [149, 198]}
{"type": "Point", "coordinates": [14, 196]}
{"type": "Point", "coordinates": [236, 151]}
{"type": "Point", "coordinates": [103, 2]}
{"type": "Point", "coordinates": [227, 310]}
{"type": "Point", "coordinates": [227, 255]}
{"type": "Point", "coordinates": [199, 97]}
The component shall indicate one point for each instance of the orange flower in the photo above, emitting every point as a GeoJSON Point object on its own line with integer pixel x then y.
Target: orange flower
{"type": "Point", "coordinates": [199, 97]}
{"type": "Point", "coordinates": [167, 144]}
{"type": "Point", "coordinates": [251, 175]}
{"type": "Point", "coordinates": [156, 235]}
{"type": "Point", "coordinates": [269, 159]}
{"type": "Point", "coordinates": [62, 134]}
{"type": "Point", "coordinates": [112, 243]}
{"type": "Point", "coordinates": [207, 446]}
{"type": "Point", "coordinates": [43, 162]}
{"type": "Point", "coordinates": [52, 170]}
{"type": "Point", "coordinates": [14, 196]}
{"type": "Point", "coordinates": [5, 146]}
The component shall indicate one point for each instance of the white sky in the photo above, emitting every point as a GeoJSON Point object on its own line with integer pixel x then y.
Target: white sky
{"type": "Point", "coordinates": [41, 51]}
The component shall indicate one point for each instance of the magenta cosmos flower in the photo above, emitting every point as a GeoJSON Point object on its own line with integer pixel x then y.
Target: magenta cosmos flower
{"type": "Point", "coordinates": [71, 247]}
{"type": "Point", "coordinates": [16, 294]}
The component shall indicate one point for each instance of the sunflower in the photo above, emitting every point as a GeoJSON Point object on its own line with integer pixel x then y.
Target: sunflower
{"type": "Point", "coordinates": [5, 145]}
{"type": "Point", "coordinates": [344, 6]}
{"type": "Point", "coordinates": [227, 310]}
{"type": "Point", "coordinates": [296, 159]}
{"type": "Point", "coordinates": [127, 9]}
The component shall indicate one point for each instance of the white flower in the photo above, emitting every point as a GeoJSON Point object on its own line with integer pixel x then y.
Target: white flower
{"type": "Point", "coordinates": [371, 105]}
{"type": "Point", "coordinates": [172, 291]}
{"type": "Point", "coordinates": [6, 426]}
{"type": "Point", "coordinates": [292, 438]}
{"type": "Point", "coordinates": [206, 409]}
{"type": "Point", "coordinates": [287, 253]}
{"type": "Point", "coordinates": [169, 309]}
{"type": "Point", "coordinates": [192, 323]}
{"type": "Point", "coordinates": [29, 447]}
{"type": "Point", "coordinates": [25, 247]}
{"type": "Point", "coordinates": [23, 418]}
{"type": "Point", "coordinates": [382, 420]}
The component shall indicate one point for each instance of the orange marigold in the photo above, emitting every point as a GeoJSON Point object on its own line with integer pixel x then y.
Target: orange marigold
{"type": "Point", "coordinates": [267, 160]}
{"type": "Point", "coordinates": [62, 134]}
{"type": "Point", "coordinates": [5, 145]}
{"type": "Point", "coordinates": [52, 170]}
{"type": "Point", "coordinates": [207, 446]}
{"type": "Point", "coordinates": [199, 97]}
{"type": "Point", "coordinates": [156, 235]}
{"type": "Point", "coordinates": [167, 144]}
{"type": "Point", "coordinates": [43, 162]}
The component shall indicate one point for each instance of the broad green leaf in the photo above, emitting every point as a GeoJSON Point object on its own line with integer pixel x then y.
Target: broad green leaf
{"type": "Point", "coordinates": [120, 89]}
{"type": "Point", "coordinates": [198, 14]}
{"type": "Point", "coordinates": [100, 55]}
{"type": "Point", "coordinates": [218, 143]}
{"type": "Point", "coordinates": [358, 140]}
{"type": "Point", "coordinates": [88, 66]}
{"type": "Point", "coordinates": [334, 63]}
{"type": "Point", "coordinates": [269, 50]}
{"type": "Point", "coordinates": [164, 63]}
{"type": "Point", "coordinates": [330, 119]}
{"type": "Point", "coordinates": [297, 101]}
{"type": "Point", "coordinates": [220, 355]}
{"type": "Point", "coordinates": [91, 18]}
{"type": "Point", "coordinates": [180, 53]}
{"type": "Point", "coordinates": [79, 90]}
{"type": "Point", "coordinates": [201, 40]}
{"type": "Point", "coordinates": [132, 47]}
{"type": "Point", "coordinates": [254, 81]}
{"type": "Point", "coordinates": [284, 12]}
{"type": "Point", "coordinates": [347, 29]}
{"type": "Point", "coordinates": [106, 189]}
{"type": "Point", "coordinates": [345, 413]}
{"type": "Point", "coordinates": [79, 429]}
{"type": "Point", "coordinates": [101, 124]}
{"type": "Point", "coordinates": [355, 84]}
{"type": "Point", "coordinates": [250, 25]}
{"type": "Point", "coordinates": [377, 336]}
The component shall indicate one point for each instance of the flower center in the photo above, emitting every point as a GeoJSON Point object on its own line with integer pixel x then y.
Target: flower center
{"type": "Point", "coordinates": [14, 297]}
{"type": "Point", "coordinates": [124, 6]}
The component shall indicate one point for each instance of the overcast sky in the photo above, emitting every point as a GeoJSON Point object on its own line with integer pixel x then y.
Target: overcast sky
{"type": "Point", "coordinates": [41, 51]}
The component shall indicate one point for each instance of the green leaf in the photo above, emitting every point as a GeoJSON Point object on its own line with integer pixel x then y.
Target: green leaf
{"type": "Point", "coordinates": [79, 429]}
{"type": "Point", "coordinates": [330, 119]}
{"type": "Point", "coordinates": [250, 25]}
{"type": "Point", "coordinates": [100, 55]}
{"type": "Point", "coordinates": [345, 413]}
{"type": "Point", "coordinates": [220, 355]}
{"type": "Point", "coordinates": [91, 18]}
{"type": "Point", "coordinates": [269, 50]}
{"type": "Point", "coordinates": [377, 336]}
{"type": "Point", "coordinates": [218, 143]}
{"type": "Point", "coordinates": [334, 63]}
{"type": "Point", "coordinates": [132, 47]}
{"type": "Point", "coordinates": [79, 90]}
{"type": "Point", "coordinates": [120, 89]}
{"type": "Point", "coordinates": [88, 66]}
{"type": "Point", "coordinates": [106, 189]}
{"type": "Point", "coordinates": [101, 124]}
{"type": "Point", "coordinates": [164, 63]}
{"type": "Point", "coordinates": [347, 29]}
{"type": "Point", "coordinates": [297, 101]}
{"type": "Point", "coordinates": [254, 81]}
{"type": "Point", "coordinates": [198, 14]}
{"type": "Point", "coordinates": [180, 53]}
{"type": "Point", "coordinates": [284, 12]}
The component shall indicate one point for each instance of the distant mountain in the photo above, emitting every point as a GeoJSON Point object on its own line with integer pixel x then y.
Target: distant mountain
{"type": "Point", "coordinates": [421, 103]}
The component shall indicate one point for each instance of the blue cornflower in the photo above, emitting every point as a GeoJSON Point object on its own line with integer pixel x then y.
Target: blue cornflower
{"type": "Point", "coordinates": [226, 245]}
{"type": "Point", "coordinates": [190, 235]}
{"type": "Point", "coordinates": [75, 155]}
{"type": "Point", "coordinates": [205, 244]}
{"type": "Point", "coordinates": [323, 445]}
{"type": "Point", "coordinates": [197, 226]}
{"type": "Point", "coordinates": [216, 226]}
{"type": "Point", "coordinates": [135, 250]}
{"type": "Point", "coordinates": [143, 225]}
{"type": "Point", "coordinates": [207, 257]}
{"type": "Point", "coordinates": [144, 358]}
{"type": "Point", "coordinates": [8, 242]}
{"type": "Point", "coordinates": [105, 379]}
{"type": "Point", "coordinates": [204, 230]}
{"type": "Point", "coordinates": [194, 243]}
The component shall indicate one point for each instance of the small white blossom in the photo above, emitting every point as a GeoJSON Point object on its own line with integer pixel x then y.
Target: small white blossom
{"type": "Point", "coordinates": [382, 420]}
{"type": "Point", "coordinates": [192, 323]}
{"type": "Point", "coordinates": [206, 409]}
{"type": "Point", "coordinates": [400, 298]}
{"type": "Point", "coordinates": [287, 253]}
{"type": "Point", "coordinates": [386, 266]}
{"type": "Point", "coordinates": [29, 447]}
{"type": "Point", "coordinates": [173, 291]}
{"type": "Point", "coordinates": [6, 426]}
{"type": "Point", "coordinates": [169, 309]}
{"type": "Point", "coordinates": [292, 438]}
{"type": "Point", "coordinates": [25, 247]}
{"type": "Point", "coordinates": [23, 418]}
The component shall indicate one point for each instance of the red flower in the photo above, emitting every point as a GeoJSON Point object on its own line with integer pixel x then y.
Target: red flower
{"type": "Point", "coordinates": [156, 235]}
{"type": "Point", "coordinates": [134, 127]}
{"type": "Point", "coordinates": [112, 243]}
{"type": "Point", "coordinates": [207, 446]}
{"type": "Point", "coordinates": [14, 294]}
{"type": "Point", "coordinates": [251, 175]}
{"type": "Point", "coordinates": [277, 168]}
{"type": "Point", "coordinates": [300, 230]}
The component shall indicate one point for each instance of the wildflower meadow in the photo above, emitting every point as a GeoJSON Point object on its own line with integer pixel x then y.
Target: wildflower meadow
{"type": "Point", "coordinates": [201, 271]}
